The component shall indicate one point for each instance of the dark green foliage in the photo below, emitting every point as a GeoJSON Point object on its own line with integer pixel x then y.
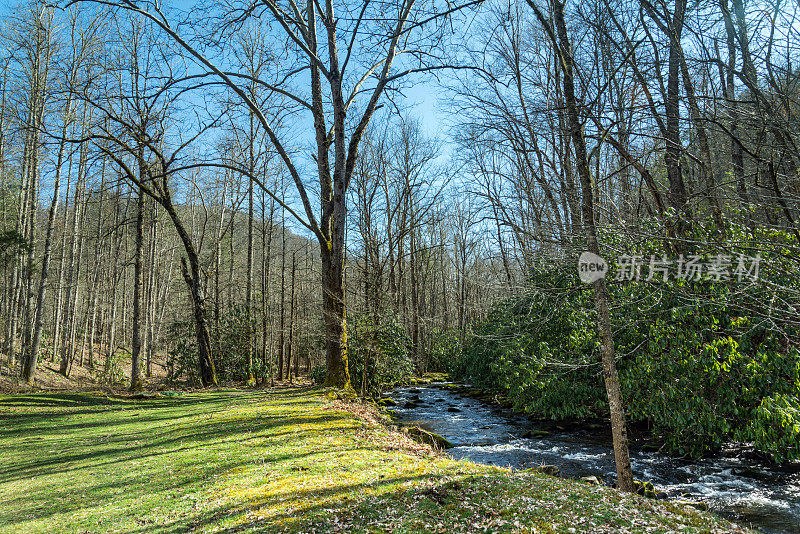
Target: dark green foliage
{"type": "Point", "coordinates": [385, 347]}
{"type": "Point", "coordinates": [445, 346]}
{"type": "Point", "coordinates": [540, 350]}
{"type": "Point", "coordinates": [230, 358]}
{"type": "Point", "coordinates": [702, 362]}
{"type": "Point", "coordinates": [12, 244]}
{"type": "Point", "coordinates": [182, 354]}
{"type": "Point", "coordinates": [775, 428]}
{"type": "Point", "coordinates": [113, 372]}
{"type": "Point", "coordinates": [230, 348]}
{"type": "Point", "coordinates": [318, 373]}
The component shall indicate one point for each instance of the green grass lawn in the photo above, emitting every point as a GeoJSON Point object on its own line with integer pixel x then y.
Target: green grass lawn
{"type": "Point", "coordinates": [265, 461]}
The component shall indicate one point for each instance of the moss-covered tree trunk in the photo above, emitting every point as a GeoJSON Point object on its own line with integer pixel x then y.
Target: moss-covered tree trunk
{"type": "Point", "coordinates": [337, 374]}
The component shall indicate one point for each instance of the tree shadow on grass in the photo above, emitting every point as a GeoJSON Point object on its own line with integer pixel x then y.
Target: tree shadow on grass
{"type": "Point", "coordinates": [13, 424]}
{"type": "Point", "coordinates": [127, 447]}
{"type": "Point", "coordinates": [337, 500]}
{"type": "Point", "coordinates": [87, 471]}
{"type": "Point", "coordinates": [59, 400]}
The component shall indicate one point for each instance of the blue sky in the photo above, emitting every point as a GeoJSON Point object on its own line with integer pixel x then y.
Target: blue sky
{"type": "Point", "coordinates": [421, 101]}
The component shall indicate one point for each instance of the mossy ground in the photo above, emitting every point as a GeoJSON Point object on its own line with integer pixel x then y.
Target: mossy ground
{"type": "Point", "coordinates": [266, 461]}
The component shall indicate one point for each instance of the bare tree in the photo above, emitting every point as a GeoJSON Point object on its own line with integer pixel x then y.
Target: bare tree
{"type": "Point", "coordinates": [391, 42]}
{"type": "Point", "coordinates": [556, 30]}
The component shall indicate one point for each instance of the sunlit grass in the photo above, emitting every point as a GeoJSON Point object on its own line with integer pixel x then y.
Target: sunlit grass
{"type": "Point", "coordinates": [269, 461]}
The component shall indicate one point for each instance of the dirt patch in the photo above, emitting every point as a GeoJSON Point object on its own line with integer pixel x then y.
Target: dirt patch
{"type": "Point", "coordinates": [80, 377]}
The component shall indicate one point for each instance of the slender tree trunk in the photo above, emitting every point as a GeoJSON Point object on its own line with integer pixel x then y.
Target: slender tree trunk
{"type": "Point", "coordinates": [192, 277]}
{"type": "Point", "coordinates": [78, 269]}
{"type": "Point", "coordinates": [291, 358]}
{"type": "Point", "coordinates": [29, 370]}
{"type": "Point", "coordinates": [249, 291]}
{"type": "Point", "coordinates": [618, 427]}
{"type": "Point", "coordinates": [136, 341]}
{"type": "Point", "coordinates": [709, 186]}
{"type": "Point", "coordinates": [281, 336]}
{"type": "Point", "coordinates": [218, 258]}
{"type": "Point", "coordinates": [39, 68]}
{"type": "Point", "coordinates": [32, 209]}
{"type": "Point", "coordinates": [415, 319]}
{"type": "Point", "coordinates": [97, 268]}
{"type": "Point", "coordinates": [674, 148]}
{"type": "Point", "coordinates": [67, 347]}
{"type": "Point", "coordinates": [18, 275]}
{"type": "Point", "coordinates": [732, 103]}
{"type": "Point", "coordinates": [111, 347]}
{"type": "Point", "coordinates": [150, 295]}
{"type": "Point", "coordinates": [266, 256]}
{"type": "Point", "coordinates": [59, 304]}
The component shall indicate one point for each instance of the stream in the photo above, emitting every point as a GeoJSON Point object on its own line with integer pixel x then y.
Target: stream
{"type": "Point", "coordinates": [735, 483]}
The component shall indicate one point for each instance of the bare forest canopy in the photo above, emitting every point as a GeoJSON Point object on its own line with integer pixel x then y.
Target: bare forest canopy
{"type": "Point", "coordinates": [240, 192]}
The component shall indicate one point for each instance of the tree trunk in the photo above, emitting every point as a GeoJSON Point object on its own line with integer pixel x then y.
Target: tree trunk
{"type": "Point", "coordinates": [674, 147]}
{"type": "Point", "coordinates": [618, 429]}
{"type": "Point", "coordinates": [67, 348]}
{"type": "Point", "coordinates": [152, 291]}
{"type": "Point", "coordinates": [29, 370]}
{"type": "Point", "coordinates": [266, 253]}
{"type": "Point", "coordinates": [191, 275]}
{"type": "Point", "coordinates": [732, 104]}
{"type": "Point", "coordinates": [333, 305]}
{"type": "Point", "coordinates": [136, 341]}
{"type": "Point", "coordinates": [709, 186]}
{"type": "Point", "coordinates": [281, 336]}
{"type": "Point", "coordinates": [249, 296]}
{"type": "Point", "coordinates": [290, 356]}
{"type": "Point", "coordinates": [208, 375]}
{"type": "Point", "coordinates": [416, 353]}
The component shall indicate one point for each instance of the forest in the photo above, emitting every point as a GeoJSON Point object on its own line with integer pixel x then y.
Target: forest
{"type": "Point", "coordinates": [586, 214]}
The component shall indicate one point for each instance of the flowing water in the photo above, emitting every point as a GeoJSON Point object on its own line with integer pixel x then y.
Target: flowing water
{"type": "Point", "coordinates": [734, 483]}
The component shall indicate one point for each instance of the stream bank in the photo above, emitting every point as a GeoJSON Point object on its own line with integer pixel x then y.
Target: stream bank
{"type": "Point", "coordinates": [735, 482]}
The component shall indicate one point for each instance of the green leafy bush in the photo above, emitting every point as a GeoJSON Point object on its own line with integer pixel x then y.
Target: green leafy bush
{"type": "Point", "coordinates": [113, 371]}
{"type": "Point", "coordinates": [775, 427]}
{"type": "Point", "coordinates": [702, 362]}
{"type": "Point", "coordinates": [318, 374]}
{"type": "Point", "coordinates": [12, 244]}
{"type": "Point", "coordinates": [379, 353]}
{"type": "Point", "coordinates": [230, 358]}
{"type": "Point", "coordinates": [445, 346]}
{"type": "Point", "coordinates": [182, 354]}
{"type": "Point", "coordinates": [538, 350]}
